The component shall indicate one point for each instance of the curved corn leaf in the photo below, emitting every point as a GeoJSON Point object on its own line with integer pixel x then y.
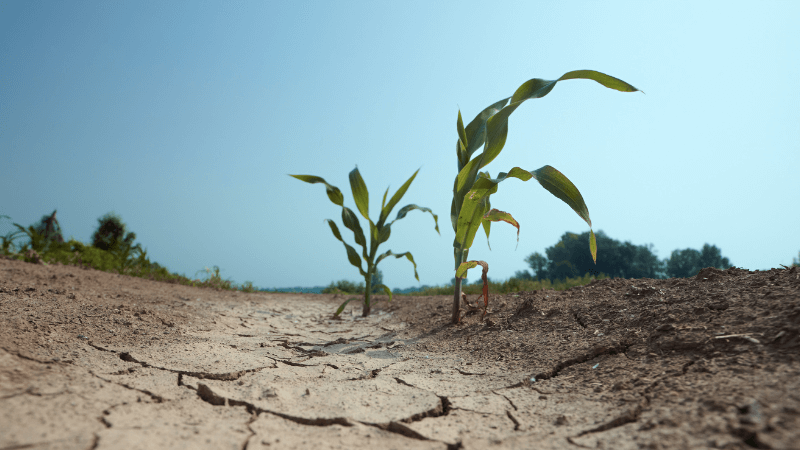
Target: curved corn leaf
{"type": "Point", "coordinates": [538, 88]}
{"type": "Point", "coordinates": [490, 128]}
{"type": "Point", "coordinates": [341, 307]}
{"type": "Point", "coordinates": [497, 125]}
{"type": "Point", "coordinates": [487, 224]}
{"type": "Point", "coordinates": [383, 233]}
{"type": "Point", "coordinates": [352, 255]}
{"type": "Point", "coordinates": [386, 210]}
{"type": "Point", "coordinates": [351, 222]}
{"type": "Point", "coordinates": [387, 290]}
{"type": "Point", "coordinates": [550, 178]}
{"type": "Point", "coordinates": [560, 186]}
{"type": "Point", "coordinates": [461, 272]}
{"type": "Point", "coordinates": [496, 215]}
{"type": "Point", "coordinates": [410, 207]}
{"type": "Point", "coordinates": [400, 255]}
{"type": "Point", "coordinates": [476, 130]}
{"type": "Point", "coordinates": [360, 192]}
{"type": "Point", "coordinates": [333, 192]}
{"type": "Point", "coordinates": [453, 215]}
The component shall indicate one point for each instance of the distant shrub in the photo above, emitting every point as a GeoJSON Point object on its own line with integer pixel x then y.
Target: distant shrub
{"type": "Point", "coordinates": [512, 285]}
{"type": "Point", "coordinates": [344, 287]}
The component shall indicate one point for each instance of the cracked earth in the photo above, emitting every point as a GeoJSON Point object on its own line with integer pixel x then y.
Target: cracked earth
{"type": "Point", "coordinates": [92, 360]}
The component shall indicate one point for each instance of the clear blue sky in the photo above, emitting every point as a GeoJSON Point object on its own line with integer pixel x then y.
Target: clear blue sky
{"type": "Point", "coordinates": [186, 117]}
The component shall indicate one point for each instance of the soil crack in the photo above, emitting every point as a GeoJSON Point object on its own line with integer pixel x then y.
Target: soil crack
{"type": "Point", "coordinates": [443, 408]}
{"type": "Point", "coordinates": [613, 349]}
{"type": "Point", "coordinates": [229, 376]}
{"type": "Point", "coordinates": [630, 416]}
{"type": "Point", "coordinates": [513, 419]}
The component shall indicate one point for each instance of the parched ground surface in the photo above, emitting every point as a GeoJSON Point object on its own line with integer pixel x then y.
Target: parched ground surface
{"type": "Point", "coordinates": [92, 360]}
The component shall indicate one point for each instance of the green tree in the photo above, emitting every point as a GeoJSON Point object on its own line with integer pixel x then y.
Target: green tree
{"type": "Point", "coordinates": [49, 228]}
{"type": "Point", "coordinates": [520, 275]}
{"type": "Point", "coordinates": [110, 233]}
{"type": "Point", "coordinates": [112, 236]}
{"type": "Point", "coordinates": [568, 258]}
{"type": "Point", "coordinates": [711, 256]}
{"type": "Point", "coordinates": [683, 263]}
{"type": "Point", "coordinates": [537, 263]}
{"type": "Point", "coordinates": [688, 262]}
{"type": "Point", "coordinates": [796, 262]}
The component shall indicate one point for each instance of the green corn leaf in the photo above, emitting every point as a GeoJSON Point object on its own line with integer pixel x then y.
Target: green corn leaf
{"type": "Point", "coordinates": [538, 88]}
{"type": "Point", "coordinates": [333, 192]}
{"type": "Point", "coordinates": [497, 133]}
{"type": "Point", "coordinates": [496, 126]}
{"type": "Point", "coordinates": [560, 186]}
{"type": "Point", "coordinates": [360, 193]}
{"type": "Point", "coordinates": [396, 255]}
{"type": "Point", "coordinates": [461, 154]}
{"type": "Point", "coordinates": [341, 307]}
{"type": "Point", "coordinates": [487, 224]}
{"type": "Point", "coordinates": [405, 209]}
{"type": "Point", "coordinates": [386, 210]}
{"type": "Point", "coordinates": [496, 215]}
{"type": "Point", "coordinates": [387, 290]}
{"type": "Point", "coordinates": [462, 134]}
{"type": "Point", "coordinates": [383, 202]}
{"type": "Point", "coordinates": [466, 177]}
{"type": "Point", "coordinates": [551, 179]}
{"type": "Point", "coordinates": [476, 130]}
{"type": "Point", "coordinates": [453, 215]}
{"type": "Point", "coordinates": [461, 147]}
{"type": "Point", "coordinates": [464, 267]}
{"type": "Point", "coordinates": [593, 245]}
{"type": "Point", "coordinates": [469, 219]}
{"type": "Point", "coordinates": [351, 222]}
{"type": "Point", "coordinates": [352, 255]}
{"type": "Point", "coordinates": [383, 233]}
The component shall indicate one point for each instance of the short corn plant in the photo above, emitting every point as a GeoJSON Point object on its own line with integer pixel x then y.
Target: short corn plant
{"type": "Point", "coordinates": [378, 232]}
{"type": "Point", "coordinates": [471, 208]}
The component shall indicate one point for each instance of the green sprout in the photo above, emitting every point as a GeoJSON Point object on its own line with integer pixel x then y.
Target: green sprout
{"type": "Point", "coordinates": [471, 208]}
{"type": "Point", "coordinates": [378, 232]}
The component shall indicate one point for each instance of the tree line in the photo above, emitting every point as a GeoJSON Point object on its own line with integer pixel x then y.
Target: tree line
{"type": "Point", "coordinates": [570, 258]}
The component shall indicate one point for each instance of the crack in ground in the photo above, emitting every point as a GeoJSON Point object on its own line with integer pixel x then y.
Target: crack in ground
{"type": "Point", "coordinates": [508, 399]}
{"type": "Point", "coordinates": [95, 441]}
{"type": "Point", "coordinates": [513, 419]}
{"type": "Point", "coordinates": [630, 416]}
{"type": "Point", "coordinates": [398, 427]}
{"type": "Point", "coordinates": [253, 418]}
{"type": "Point", "coordinates": [229, 376]}
{"type": "Point", "coordinates": [368, 375]}
{"type": "Point", "coordinates": [291, 363]}
{"type": "Point", "coordinates": [156, 398]}
{"type": "Point", "coordinates": [599, 350]}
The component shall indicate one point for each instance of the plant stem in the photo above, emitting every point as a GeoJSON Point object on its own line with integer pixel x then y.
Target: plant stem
{"type": "Point", "coordinates": [367, 289]}
{"type": "Point", "coordinates": [459, 256]}
{"type": "Point", "coordinates": [457, 301]}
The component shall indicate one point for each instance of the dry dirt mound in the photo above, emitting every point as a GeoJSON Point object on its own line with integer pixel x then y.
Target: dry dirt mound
{"type": "Point", "coordinates": [95, 360]}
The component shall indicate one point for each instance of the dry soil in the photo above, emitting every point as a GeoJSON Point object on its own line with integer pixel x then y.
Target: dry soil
{"type": "Point", "coordinates": [92, 360]}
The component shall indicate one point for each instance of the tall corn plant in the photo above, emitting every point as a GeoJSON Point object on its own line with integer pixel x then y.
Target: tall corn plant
{"type": "Point", "coordinates": [471, 208]}
{"type": "Point", "coordinates": [378, 232]}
